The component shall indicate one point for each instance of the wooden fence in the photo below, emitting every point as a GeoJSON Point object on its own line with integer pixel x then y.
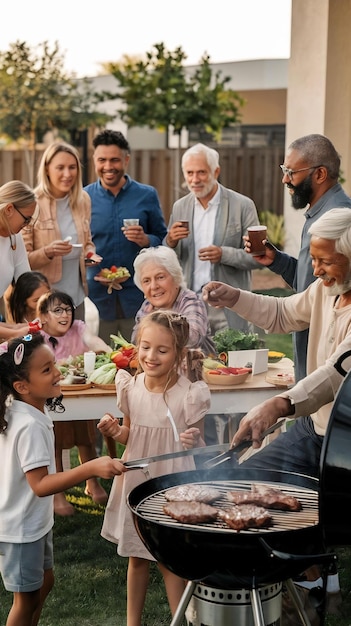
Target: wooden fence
{"type": "Point", "coordinates": [253, 172]}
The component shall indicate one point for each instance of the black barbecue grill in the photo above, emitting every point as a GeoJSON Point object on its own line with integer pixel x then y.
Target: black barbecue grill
{"type": "Point", "coordinates": [214, 551]}
{"type": "Point", "coordinates": [213, 555]}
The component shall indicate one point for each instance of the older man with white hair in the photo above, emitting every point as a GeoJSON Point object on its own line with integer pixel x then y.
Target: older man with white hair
{"type": "Point", "coordinates": [325, 308]}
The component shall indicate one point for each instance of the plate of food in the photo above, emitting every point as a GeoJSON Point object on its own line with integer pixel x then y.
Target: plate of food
{"type": "Point", "coordinates": [221, 377]}
{"type": "Point", "coordinates": [108, 387]}
{"type": "Point", "coordinates": [112, 277]}
{"type": "Point", "coordinates": [275, 357]}
{"type": "Point", "coordinates": [74, 386]}
{"type": "Point", "coordinates": [281, 379]}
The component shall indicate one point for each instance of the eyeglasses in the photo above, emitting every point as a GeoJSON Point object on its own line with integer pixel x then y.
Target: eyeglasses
{"type": "Point", "coordinates": [26, 220]}
{"type": "Point", "coordinates": [60, 310]}
{"type": "Point", "coordinates": [288, 172]}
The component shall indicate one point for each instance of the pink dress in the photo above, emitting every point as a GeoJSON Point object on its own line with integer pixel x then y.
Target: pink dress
{"type": "Point", "coordinates": [151, 432]}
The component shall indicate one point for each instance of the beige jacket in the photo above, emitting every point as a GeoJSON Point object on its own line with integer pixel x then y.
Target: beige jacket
{"type": "Point", "coordinates": [45, 230]}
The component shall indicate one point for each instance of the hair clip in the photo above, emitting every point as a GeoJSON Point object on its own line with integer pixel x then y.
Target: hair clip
{"type": "Point", "coordinates": [4, 347]}
{"type": "Point", "coordinates": [18, 354]}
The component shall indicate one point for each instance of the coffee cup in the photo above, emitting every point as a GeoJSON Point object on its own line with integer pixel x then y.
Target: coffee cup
{"type": "Point", "coordinates": [256, 235]}
{"type": "Point", "coordinates": [131, 222]}
{"type": "Point", "coordinates": [185, 224]}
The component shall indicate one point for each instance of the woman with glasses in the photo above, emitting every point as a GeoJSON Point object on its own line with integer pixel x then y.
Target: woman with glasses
{"type": "Point", "coordinates": [59, 242]}
{"type": "Point", "coordinates": [67, 337]}
{"type": "Point", "coordinates": [17, 206]}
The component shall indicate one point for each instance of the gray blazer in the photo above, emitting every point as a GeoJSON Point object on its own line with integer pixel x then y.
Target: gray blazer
{"type": "Point", "coordinates": [236, 212]}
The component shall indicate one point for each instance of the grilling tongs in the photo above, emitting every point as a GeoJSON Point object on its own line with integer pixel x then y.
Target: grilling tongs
{"type": "Point", "coordinates": [227, 455]}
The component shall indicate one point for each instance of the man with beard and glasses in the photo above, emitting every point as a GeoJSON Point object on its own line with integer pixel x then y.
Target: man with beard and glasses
{"type": "Point", "coordinates": [206, 230]}
{"type": "Point", "coordinates": [115, 197]}
{"type": "Point", "coordinates": [310, 171]}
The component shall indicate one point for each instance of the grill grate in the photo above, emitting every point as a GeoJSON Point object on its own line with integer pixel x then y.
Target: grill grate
{"type": "Point", "coordinates": [151, 508]}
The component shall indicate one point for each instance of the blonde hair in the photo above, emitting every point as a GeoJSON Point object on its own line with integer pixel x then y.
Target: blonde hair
{"type": "Point", "coordinates": [177, 325]}
{"type": "Point", "coordinates": [17, 193]}
{"type": "Point", "coordinates": [44, 184]}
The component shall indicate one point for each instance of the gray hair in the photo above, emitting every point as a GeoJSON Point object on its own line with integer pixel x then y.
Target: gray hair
{"type": "Point", "coordinates": [17, 193]}
{"type": "Point", "coordinates": [318, 150]}
{"type": "Point", "coordinates": [211, 155]}
{"type": "Point", "coordinates": [162, 256]}
{"type": "Point", "coordinates": [336, 226]}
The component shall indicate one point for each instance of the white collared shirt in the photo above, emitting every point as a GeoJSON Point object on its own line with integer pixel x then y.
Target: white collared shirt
{"type": "Point", "coordinates": [203, 234]}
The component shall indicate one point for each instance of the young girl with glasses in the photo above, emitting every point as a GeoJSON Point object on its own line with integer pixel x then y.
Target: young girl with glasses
{"type": "Point", "coordinates": [67, 337]}
{"type": "Point", "coordinates": [162, 412]}
{"type": "Point", "coordinates": [28, 378]}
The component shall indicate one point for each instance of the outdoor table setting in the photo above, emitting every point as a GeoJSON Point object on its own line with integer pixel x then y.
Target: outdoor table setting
{"type": "Point", "coordinates": [91, 402]}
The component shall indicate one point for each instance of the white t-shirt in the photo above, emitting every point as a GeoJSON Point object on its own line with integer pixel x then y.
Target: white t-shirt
{"type": "Point", "coordinates": [28, 443]}
{"type": "Point", "coordinates": [13, 262]}
{"type": "Point", "coordinates": [203, 229]}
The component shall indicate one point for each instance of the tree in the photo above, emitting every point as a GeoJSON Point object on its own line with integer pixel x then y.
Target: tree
{"type": "Point", "coordinates": [159, 92]}
{"type": "Point", "coordinates": [36, 95]}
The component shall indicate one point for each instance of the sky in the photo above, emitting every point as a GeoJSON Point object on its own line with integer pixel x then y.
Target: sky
{"type": "Point", "coordinates": [89, 34]}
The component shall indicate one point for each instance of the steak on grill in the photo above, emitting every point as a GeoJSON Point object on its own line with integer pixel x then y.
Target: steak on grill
{"type": "Point", "coordinates": [245, 516]}
{"type": "Point", "coordinates": [191, 512]}
{"type": "Point", "coordinates": [192, 492]}
{"type": "Point", "coordinates": [268, 497]}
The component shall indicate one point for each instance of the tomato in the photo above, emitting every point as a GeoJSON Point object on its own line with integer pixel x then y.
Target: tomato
{"type": "Point", "coordinates": [129, 351]}
{"type": "Point", "coordinates": [113, 269]}
{"type": "Point", "coordinates": [120, 360]}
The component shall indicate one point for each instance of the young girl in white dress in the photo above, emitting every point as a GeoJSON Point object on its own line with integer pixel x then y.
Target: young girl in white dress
{"type": "Point", "coordinates": [28, 379]}
{"type": "Point", "coordinates": [162, 410]}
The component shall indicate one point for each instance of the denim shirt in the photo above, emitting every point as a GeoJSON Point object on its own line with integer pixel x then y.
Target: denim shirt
{"type": "Point", "coordinates": [107, 214]}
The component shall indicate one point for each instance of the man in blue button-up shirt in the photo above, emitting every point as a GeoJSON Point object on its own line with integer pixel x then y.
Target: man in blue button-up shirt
{"type": "Point", "coordinates": [115, 197]}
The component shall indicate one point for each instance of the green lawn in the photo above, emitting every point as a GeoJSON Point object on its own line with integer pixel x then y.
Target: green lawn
{"type": "Point", "coordinates": [90, 578]}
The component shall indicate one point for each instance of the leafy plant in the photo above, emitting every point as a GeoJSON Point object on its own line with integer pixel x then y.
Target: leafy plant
{"type": "Point", "coordinates": [233, 339]}
{"type": "Point", "coordinates": [275, 227]}
{"type": "Point", "coordinates": [159, 92]}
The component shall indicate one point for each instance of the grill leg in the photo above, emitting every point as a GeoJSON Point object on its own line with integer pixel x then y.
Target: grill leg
{"type": "Point", "coordinates": [257, 610]}
{"type": "Point", "coordinates": [297, 602]}
{"type": "Point", "coordinates": [183, 604]}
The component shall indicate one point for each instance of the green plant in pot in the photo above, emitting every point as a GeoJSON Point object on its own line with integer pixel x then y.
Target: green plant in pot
{"type": "Point", "coordinates": [233, 339]}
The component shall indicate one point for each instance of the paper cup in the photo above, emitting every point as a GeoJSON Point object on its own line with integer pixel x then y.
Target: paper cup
{"type": "Point", "coordinates": [131, 222]}
{"type": "Point", "coordinates": [256, 234]}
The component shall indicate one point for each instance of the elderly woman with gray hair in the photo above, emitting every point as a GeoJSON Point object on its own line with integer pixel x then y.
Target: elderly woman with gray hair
{"type": "Point", "coordinates": [159, 276]}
